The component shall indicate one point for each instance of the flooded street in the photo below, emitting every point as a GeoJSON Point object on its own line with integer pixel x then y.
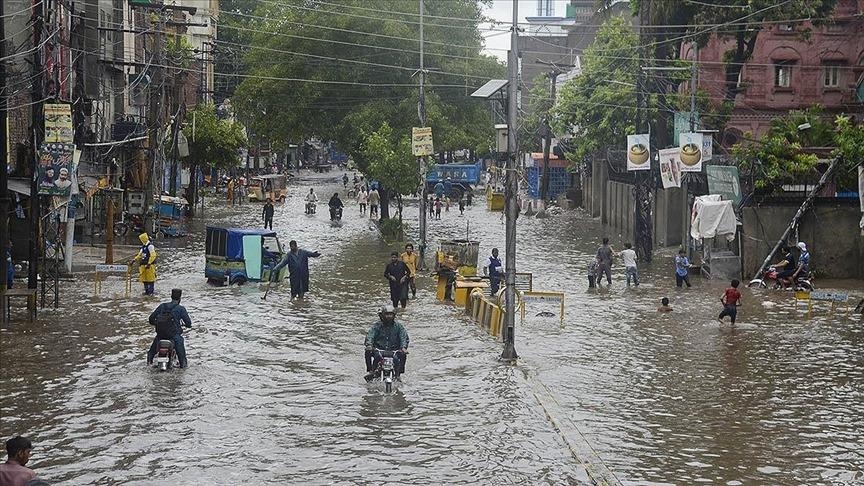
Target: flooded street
{"type": "Point", "coordinates": [274, 393]}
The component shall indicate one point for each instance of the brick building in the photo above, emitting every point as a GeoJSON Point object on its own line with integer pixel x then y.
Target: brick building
{"type": "Point", "coordinates": [788, 71]}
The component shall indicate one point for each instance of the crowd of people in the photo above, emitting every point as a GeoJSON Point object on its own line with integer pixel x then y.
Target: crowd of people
{"type": "Point", "coordinates": [789, 270]}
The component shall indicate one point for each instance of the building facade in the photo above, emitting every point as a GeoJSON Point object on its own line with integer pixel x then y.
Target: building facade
{"type": "Point", "coordinates": [790, 71]}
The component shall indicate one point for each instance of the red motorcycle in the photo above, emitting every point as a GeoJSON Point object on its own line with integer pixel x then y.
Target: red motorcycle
{"type": "Point", "coordinates": [770, 278]}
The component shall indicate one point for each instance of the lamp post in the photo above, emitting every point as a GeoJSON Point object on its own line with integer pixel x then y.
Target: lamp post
{"type": "Point", "coordinates": [509, 354]}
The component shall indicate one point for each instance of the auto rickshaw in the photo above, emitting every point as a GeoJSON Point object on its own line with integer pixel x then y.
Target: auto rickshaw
{"type": "Point", "coordinates": [272, 186]}
{"type": "Point", "coordinates": [235, 255]}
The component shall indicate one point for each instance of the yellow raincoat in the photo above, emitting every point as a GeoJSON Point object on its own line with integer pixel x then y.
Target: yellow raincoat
{"type": "Point", "coordinates": [146, 256]}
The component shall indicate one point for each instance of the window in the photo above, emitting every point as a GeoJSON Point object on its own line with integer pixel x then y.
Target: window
{"type": "Point", "coordinates": [832, 74]}
{"type": "Point", "coordinates": [783, 74]}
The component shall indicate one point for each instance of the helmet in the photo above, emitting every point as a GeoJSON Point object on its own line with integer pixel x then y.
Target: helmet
{"type": "Point", "coordinates": [386, 309]}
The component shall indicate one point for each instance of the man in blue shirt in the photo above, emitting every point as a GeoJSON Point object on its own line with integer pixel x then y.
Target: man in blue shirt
{"type": "Point", "coordinates": [179, 318]}
{"type": "Point", "coordinates": [297, 261]}
{"type": "Point", "coordinates": [682, 269]}
{"type": "Point", "coordinates": [495, 272]}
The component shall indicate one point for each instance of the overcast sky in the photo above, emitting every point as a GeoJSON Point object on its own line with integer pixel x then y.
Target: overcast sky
{"type": "Point", "coordinates": [497, 42]}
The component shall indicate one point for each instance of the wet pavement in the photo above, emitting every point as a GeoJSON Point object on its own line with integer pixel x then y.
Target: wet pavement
{"type": "Point", "coordinates": [274, 391]}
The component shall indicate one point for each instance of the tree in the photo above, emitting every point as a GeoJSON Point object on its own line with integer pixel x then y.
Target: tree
{"type": "Point", "coordinates": [390, 163]}
{"type": "Point", "coordinates": [312, 68]}
{"type": "Point", "coordinates": [598, 106]}
{"type": "Point", "coordinates": [786, 155]}
{"type": "Point", "coordinates": [213, 143]}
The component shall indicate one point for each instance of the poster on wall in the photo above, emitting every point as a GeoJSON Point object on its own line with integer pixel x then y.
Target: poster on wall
{"type": "Point", "coordinates": [56, 168]}
{"type": "Point", "coordinates": [58, 123]}
{"type": "Point", "coordinates": [691, 152]}
{"type": "Point", "coordinates": [707, 147]}
{"type": "Point", "coordinates": [670, 172]}
{"type": "Point", "coordinates": [638, 152]}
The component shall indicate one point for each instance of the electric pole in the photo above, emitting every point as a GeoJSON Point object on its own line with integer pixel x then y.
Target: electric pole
{"type": "Point", "coordinates": [154, 118]}
{"type": "Point", "coordinates": [37, 131]}
{"type": "Point", "coordinates": [547, 128]}
{"type": "Point", "coordinates": [642, 182]}
{"type": "Point", "coordinates": [4, 175]}
{"type": "Point", "coordinates": [512, 186]}
{"type": "Point", "coordinates": [421, 161]}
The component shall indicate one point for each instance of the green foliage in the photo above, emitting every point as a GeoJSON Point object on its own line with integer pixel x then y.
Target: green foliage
{"type": "Point", "coordinates": [389, 160]}
{"type": "Point", "coordinates": [782, 157]}
{"type": "Point", "coordinates": [392, 229]}
{"type": "Point", "coordinates": [600, 113]}
{"type": "Point", "coordinates": [179, 51]}
{"type": "Point", "coordinates": [364, 65]}
{"type": "Point", "coordinates": [215, 142]}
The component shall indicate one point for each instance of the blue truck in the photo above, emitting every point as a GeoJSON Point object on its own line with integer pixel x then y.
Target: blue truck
{"type": "Point", "coordinates": [463, 177]}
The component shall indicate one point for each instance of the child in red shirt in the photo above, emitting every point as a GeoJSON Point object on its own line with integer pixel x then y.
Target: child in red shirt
{"type": "Point", "coordinates": [731, 299]}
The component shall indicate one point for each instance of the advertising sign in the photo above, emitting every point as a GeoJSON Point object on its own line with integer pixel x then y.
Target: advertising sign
{"type": "Point", "coordinates": [56, 168]}
{"type": "Point", "coordinates": [638, 152]}
{"type": "Point", "coordinates": [707, 147]}
{"type": "Point", "coordinates": [691, 155]}
{"type": "Point", "coordinates": [58, 123]}
{"type": "Point", "coordinates": [670, 170]}
{"type": "Point", "coordinates": [421, 141]}
{"type": "Point", "coordinates": [724, 180]}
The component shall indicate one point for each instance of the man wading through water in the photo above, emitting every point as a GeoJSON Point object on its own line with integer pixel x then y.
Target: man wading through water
{"type": "Point", "coordinates": [397, 275]}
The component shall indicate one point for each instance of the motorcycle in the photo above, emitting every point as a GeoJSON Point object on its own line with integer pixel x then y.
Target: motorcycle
{"type": "Point", "coordinates": [166, 357]}
{"type": "Point", "coordinates": [135, 222]}
{"type": "Point", "coordinates": [336, 214]}
{"type": "Point", "coordinates": [386, 372]}
{"type": "Point", "coordinates": [769, 278]}
{"type": "Point", "coordinates": [310, 207]}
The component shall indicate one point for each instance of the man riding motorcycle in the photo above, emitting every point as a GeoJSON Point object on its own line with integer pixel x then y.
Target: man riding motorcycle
{"type": "Point", "coordinates": [785, 267]}
{"type": "Point", "coordinates": [180, 317]}
{"type": "Point", "coordinates": [311, 201]}
{"type": "Point", "coordinates": [335, 206]}
{"type": "Point", "coordinates": [386, 335]}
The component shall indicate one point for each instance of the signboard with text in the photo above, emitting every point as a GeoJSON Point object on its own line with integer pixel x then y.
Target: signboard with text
{"type": "Point", "coordinates": [421, 141]}
{"type": "Point", "coordinates": [724, 180]}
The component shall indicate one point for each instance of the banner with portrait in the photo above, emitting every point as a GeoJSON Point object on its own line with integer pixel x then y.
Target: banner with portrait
{"type": "Point", "coordinates": [670, 171]}
{"type": "Point", "coordinates": [56, 169]}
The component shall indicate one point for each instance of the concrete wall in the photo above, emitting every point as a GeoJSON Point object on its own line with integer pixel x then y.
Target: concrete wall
{"type": "Point", "coordinates": [829, 229]}
{"type": "Point", "coordinates": [668, 219]}
{"type": "Point", "coordinates": [618, 210]}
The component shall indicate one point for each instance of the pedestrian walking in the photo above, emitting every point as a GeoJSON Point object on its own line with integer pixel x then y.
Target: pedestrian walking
{"type": "Point", "coordinates": [241, 191]}
{"type": "Point", "coordinates": [374, 199]}
{"type": "Point", "coordinates": [461, 206]}
{"type": "Point", "coordinates": [362, 199]}
{"type": "Point", "coordinates": [628, 256]}
{"type": "Point", "coordinates": [731, 299]}
{"type": "Point", "coordinates": [682, 269]}
{"type": "Point", "coordinates": [397, 275]}
{"type": "Point", "coordinates": [14, 471]}
{"type": "Point", "coordinates": [604, 260]}
{"type": "Point", "coordinates": [494, 268]}
{"type": "Point", "coordinates": [230, 191]}
{"type": "Point", "coordinates": [297, 261]}
{"type": "Point", "coordinates": [431, 207]}
{"type": "Point", "coordinates": [267, 214]}
{"type": "Point", "coordinates": [469, 197]}
{"type": "Point", "coordinates": [437, 208]}
{"type": "Point", "coordinates": [410, 259]}
{"type": "Point", "coordinates": [146, 259]}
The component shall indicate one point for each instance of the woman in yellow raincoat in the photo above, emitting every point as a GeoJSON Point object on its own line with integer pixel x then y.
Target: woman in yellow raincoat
{"type": "Point", "coordinates": [147, 267]}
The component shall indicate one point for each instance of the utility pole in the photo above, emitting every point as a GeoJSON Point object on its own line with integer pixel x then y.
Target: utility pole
{"type": "Point", "coordinates": [37, 130]}
{"type": "Point", "coordinates": [4, 174]}
{"type": "Point", "coordinates": [512, 186]}
{"type": "Point", "coordinates": [154, 117]}
{"type": "Point", "coordinates": [421, 161]}
{"type": "Point", "coordinates": [547, 128]}
{"type": "Point", "coordinates": [642, 220]}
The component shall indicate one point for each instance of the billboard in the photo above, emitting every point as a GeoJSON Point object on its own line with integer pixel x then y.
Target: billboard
{"type": "Point", "coordinates": [638, 152]}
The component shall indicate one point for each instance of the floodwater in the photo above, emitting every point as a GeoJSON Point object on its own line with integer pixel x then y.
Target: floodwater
{"type": "Point", "coordinates": [274, 392]}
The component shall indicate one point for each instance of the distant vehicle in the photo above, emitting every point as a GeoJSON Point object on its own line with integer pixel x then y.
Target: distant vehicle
{"type": "Point", "coordinates": [235, 255]}
{"type": "Point", "coordinates": [272, 186]}
{"type": "Point", "coordinates": [463, 177]}
{"type": "Point", "coordinates": [171, 215]}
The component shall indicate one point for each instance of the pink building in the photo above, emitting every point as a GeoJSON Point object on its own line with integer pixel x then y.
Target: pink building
{"type": "Point", "coordinates": [789, 72]}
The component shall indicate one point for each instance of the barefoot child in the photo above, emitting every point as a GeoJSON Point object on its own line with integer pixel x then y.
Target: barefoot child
{"type": "Point", "coordinates": [731, 299]}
